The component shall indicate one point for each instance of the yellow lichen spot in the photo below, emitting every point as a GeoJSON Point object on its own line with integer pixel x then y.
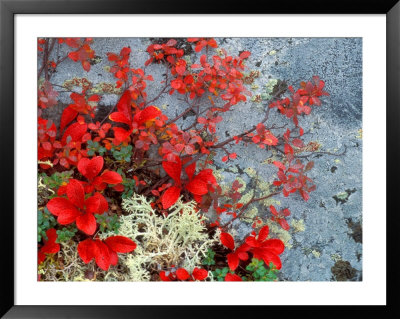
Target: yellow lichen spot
{"type": "Point", "coordinates": [164, 106]}
{"type": "Point", "coordinates": [336, 257]}
{"type": "Point", "coordinates": [359, 134]}
{"type": "Point", "coordinates": [272, 52]}
{"type": "Point", "coordinates": [246, 197]}
{"type": "Point", "coordinates": [316, 253]}
{"type": "Point", "coordinates": [250, 171]}
{"type": "Point", "coordinates": [298, 225]}
{"type": "Point", "coordinates": [233, 169]}
{"type": "Point", "coordinates": [249, 216]}
{"type": "Point", "coordinates": [337, 161]}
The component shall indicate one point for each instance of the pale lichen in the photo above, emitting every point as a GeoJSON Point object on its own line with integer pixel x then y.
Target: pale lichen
{"type": "Point", "coordinates": [298, 225]}
{"type": "Point", "coordinates": [178, 240]}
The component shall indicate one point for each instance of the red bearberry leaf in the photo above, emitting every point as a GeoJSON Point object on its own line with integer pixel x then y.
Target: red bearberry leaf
{"type": "Point", "coordinates": [76, 131]}
{"type": "Point", "coordinates": [120, 118]}
{"type": "Point", "coordinates": [86, 223]}
{"type": "Point", "coordinates": [263, 234]}
{"type": "Point", "coordinates": [232, 277]}
{"type": "Point", "coordinates": [197, 186]}
{"type": "Point", "coordinates": [173, 169]}
{"type": "Point", "coordinates": [57, 205]}
{"type": "Point", "coordinates": [87, 250]}
{"type": "Point", "coordinates": [90, 168]}
{"type": "Point", "coordinates": [50, 246]}
{"type": "Point", "coordinates": [111, 177]}
{"type": "Point", "coordinates": [270, 257]}
{"type": "Point", "coordinates": [67, 116]}
{"type": "Point", "coordinates": [75, 193]}
{"type": "Point", "coordinates": [102, 255]}
{"type": "Point", "coordinates": [120, 244]}
{"type": "Point", "coordinates": [199, 274]}
{"type": "Point", "coordinates": [274, 245]}
{"type": "Point", "coordinates": [244, 55]}
{"type": "Point", "coordinates": [227, 241]}
{"type": "Point", "coordinates": [233, 261]}
{"type": "Point", "coordinates": [113, 257]}
{"type": "Point", "coordinates": [92, 204]}
{"type": "Point", "coordinates": [190, 170]}
{"type": "Point", "coordinates": [147, 114]}
{"type": "Point", "coordinates": [170, 196]}
{"type": "Point", "coordinates": [182, 274]}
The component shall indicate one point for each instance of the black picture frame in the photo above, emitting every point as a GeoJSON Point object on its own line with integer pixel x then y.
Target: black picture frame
{"type": "Point", "coordinates": [9, 8]}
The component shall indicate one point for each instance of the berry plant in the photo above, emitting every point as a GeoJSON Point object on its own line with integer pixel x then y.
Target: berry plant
{"type": "Point", "coordinates": [113, 189]}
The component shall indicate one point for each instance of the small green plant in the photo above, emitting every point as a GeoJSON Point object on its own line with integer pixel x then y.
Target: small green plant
{"type": "Point", "coordinates": [260, 273]}
{"type": "Point", "coordinates": [55, 180]}
{"type": "Point", "coordinates": [128, 183]}
{"type": "Point", "coordinates": [209, 259]}
{"type": "Point", "coordinates": [122, 154]}
{"type": "Point", "coordinates": [109, 223]}
{"type": "Point", "coordinates": [95, 147]}
{"type": "Point", "coordinates": [66, 233]}
{"type": "Point", "coordinates": [45, 222]}
{"type": "Point", "coordinates": [220, 273]}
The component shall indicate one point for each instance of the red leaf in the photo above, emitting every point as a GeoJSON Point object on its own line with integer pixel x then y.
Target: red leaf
{"type": "Point", "coordinates": [197, 186]}
{"type": "Point", "coordinates": [163, 276]}
{"type": "Point", "coordinates": [269, 257]}
{"type": "Point", "coordinates": [232, 277]}
{"type": "Point", "coordinates": [50, 246]}
{"type": "Point", "coordinates": [124, 103]}
{"type": "Point", "coordinates": [57, 205]}
{"type": "Point", "coordinates": [68, 216]}
{"type": "Point", "coordinates": [120, 244]}
{"type": "Point", "coordinates": [274, 245]}
{"type": "Point", "coordinates": [75, 193]}
{"type": "Point", "coordinates": [113, 257]}
{"type": "Point", "coordinates": [298, 142]}
{"type": "Point", "coordinates": [244, 55]}
{"type": "Point", "coordinates": [120, 118]}
{"type": "Point", "coordinates": [170, 196]}
{"type": "Point", "coordinates": [190, 170]}
{"type": "Point", "coordinates": [76, 131]}
{"type": "Point", "coordinates": [87, 250]}
{"type": "Point", "coordinates": [102, 255]}
{"type": "Point", "coordinates": [86, 223]}
{"type": "Point", "coordinates": [280, 165]}
{"type": "Point", "coordinates": [111, 177]}
{"type": "Point", "coordinates": [149, 113]}
{"type": "Point", "coordinates": [93, 204]}
{"type": "Point", "coordinates": [103, 207]}
{"type": "Point", "coordinates": [90, 168]}
{"type": "Point", "coordinates": [120, 134]}
{"type": "Point", "coordinates": [182, 274]}
{"type": "Point", "coordinates": [227, 241]}
{"type": "Point", "coordinates": [233, 261]}
{"type": "Point", "coordinates": [173, 169]}
{"type": "Point", "coordinates": [273, 210]}
{"type": "Point", "coordinates": [263, 234]}
{"type": "Point", "coordinates": [199, 274]}
{"type": "Point", "coordinates": [67, 116]}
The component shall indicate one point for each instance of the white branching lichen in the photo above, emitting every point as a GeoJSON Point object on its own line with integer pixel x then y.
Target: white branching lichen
{"type": "Point", "coordinates": [178, 240]}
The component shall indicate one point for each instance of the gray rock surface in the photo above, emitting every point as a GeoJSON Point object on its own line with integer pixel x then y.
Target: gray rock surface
{"type": "Point", "coordinates": [333, 215]}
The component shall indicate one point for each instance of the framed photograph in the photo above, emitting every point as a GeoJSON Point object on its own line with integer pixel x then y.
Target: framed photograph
{"type": "Point", "coordinates": [180, 159]}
